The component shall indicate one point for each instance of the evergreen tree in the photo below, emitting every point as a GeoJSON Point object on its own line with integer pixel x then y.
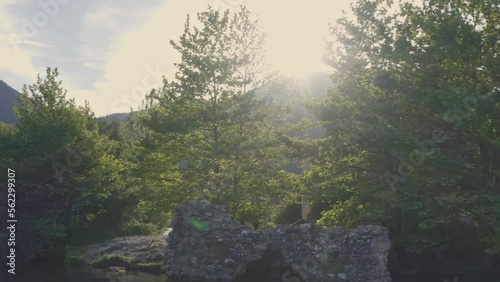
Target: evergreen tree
{"type": "Point", "coordinates": [68, 183]}
{"type": "Point", "coordinates": [413, 122]}
{"type": "Point", "coordinates": [212, 118]}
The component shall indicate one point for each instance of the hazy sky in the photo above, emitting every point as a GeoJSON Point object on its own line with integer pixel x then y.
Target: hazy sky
{"type": "Point", "coordinates": [112, 55]}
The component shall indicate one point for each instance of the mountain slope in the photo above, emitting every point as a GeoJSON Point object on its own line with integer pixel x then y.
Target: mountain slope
{"type": "Point", "coordinates": [8, 97]}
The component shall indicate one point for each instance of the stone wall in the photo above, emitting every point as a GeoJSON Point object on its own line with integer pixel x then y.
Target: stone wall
{"type": "Point", "coordinates": [207, 244]}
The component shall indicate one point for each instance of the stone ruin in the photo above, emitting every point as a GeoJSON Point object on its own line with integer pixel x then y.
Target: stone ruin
{"type": "Point", "coordinates": [206, 244]}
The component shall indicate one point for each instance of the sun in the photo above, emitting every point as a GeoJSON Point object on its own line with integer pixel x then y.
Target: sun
{"type": "Point", "coordinates": [296, 33]}
{"type": "Point", "coordinates": [296, 58]}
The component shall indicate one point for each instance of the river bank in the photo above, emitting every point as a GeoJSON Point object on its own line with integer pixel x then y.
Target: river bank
{"type": "Point", "coordinates": [138, 253]}
{"type": "Point", "coordinates": [143, 249]}
{"type": "Point", "coordinates": [57, 272]}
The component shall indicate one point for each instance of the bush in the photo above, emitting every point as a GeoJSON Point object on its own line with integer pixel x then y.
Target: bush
{"type": "Point", "coordinates": [41, 237]}
{"type": "Point", "coordinates": [289, 214]}
{"type": "Point", "coordinates": [135, 227]}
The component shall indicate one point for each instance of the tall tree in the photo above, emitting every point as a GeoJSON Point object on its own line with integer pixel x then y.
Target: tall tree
{"type": "Point", "coordinates": [211, 116]}
{"type": "Point", "coordinates": [413, 121]}
{"type": "Point", "coordinates": [68, 182]}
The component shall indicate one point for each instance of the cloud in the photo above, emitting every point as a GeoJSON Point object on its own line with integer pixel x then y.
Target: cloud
{"type": "Point", "coordinates": [105, 51]}
{"type": "Point", "coordinates": [14, 63]}
{"type": "Point", "coordinates": [138, 53]}
{"type": "Point", "coordinates": [102, 27]}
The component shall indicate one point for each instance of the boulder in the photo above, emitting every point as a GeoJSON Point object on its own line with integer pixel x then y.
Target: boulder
{"type": "Point", "coordinates": [207, 244]}
{"type": "Point", "coordinates": [116, 269]}
{"type": "Point", "coordinates": [143, 253]}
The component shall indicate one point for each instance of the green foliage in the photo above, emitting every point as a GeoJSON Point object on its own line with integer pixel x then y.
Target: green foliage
{"type": "Point", "coordinates": [137, 227]}
{"type": "Point", "coordinates": [7, 143]}
{"type": "Point", "coordinates": [412, 140]}
{"type": "Point", "coordinates": [69, 184]}
{"type": "Point", "coordinates": [40, 236]}
{"type": "Point", "coordinates": [216, 119]}
{"type": "Point", "coordinates": [289, 214]}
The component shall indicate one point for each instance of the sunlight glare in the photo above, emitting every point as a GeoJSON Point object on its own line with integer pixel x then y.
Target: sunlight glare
{"type": "Point", "coordinates": [297, 31]}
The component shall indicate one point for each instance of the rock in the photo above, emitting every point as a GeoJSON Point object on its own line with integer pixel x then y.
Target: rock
{"type": "Point", "coordinates": [116, 269]}
{"type": "Point", "coordinates": [206, 243]}
{"type": "Point", "coordinates": [167, 231]}
{"type": "Point", "coordinates": [143, 252]}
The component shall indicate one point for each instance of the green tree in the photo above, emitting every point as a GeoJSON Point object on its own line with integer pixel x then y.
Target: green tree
{"type": "Point", "coordinates": [412, 122]}
{"type": "Point", "coordinates": [212, 117]}
{"type": "Point", "coordinates": [69, 185]}
{"type": "Point", "coordinates": [7, 143]}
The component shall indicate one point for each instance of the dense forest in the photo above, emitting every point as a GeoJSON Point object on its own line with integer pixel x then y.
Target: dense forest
{"type": "Point", "coordinates": [411, 140]}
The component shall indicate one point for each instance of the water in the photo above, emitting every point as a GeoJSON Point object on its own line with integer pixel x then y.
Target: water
{"type": "Point", "coordinates": [446, 278]}
{"type": "Point", "coordinates": [56, 273]}
{"type": "Point", "coordinates": [47, 272]}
